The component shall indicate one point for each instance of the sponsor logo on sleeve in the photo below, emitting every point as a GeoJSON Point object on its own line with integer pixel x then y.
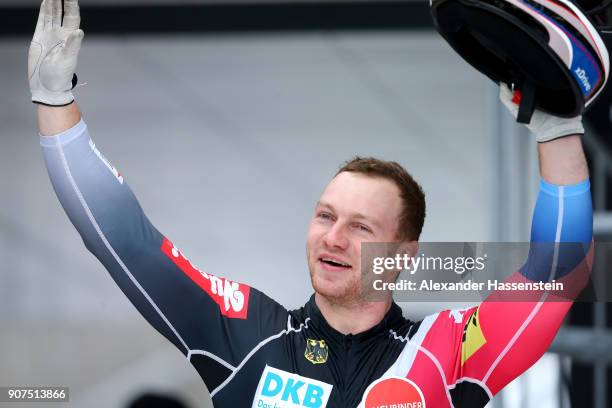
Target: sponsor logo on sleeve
{"type": "Point", "coordinates": [108, 165]}
{"type": "Point", "coordinates": [457, 315]}
{"type": "Point", "coordinates": [394, 392]}
{"type": "Point", "coordinates": [281, 389]}
{"type": "Point", "coordinates": [232, 297]}
{"type": "Point", "coordinates": [316, 351]}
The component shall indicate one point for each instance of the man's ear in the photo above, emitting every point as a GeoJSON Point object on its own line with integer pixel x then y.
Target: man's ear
{"type": "Point", "coordinates": [409, 247]}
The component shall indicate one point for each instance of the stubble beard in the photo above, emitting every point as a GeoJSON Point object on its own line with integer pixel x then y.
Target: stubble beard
{"type": "Point", "coordinates": [348, 294]}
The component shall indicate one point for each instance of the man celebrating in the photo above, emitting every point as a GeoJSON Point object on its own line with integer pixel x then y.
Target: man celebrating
{"type": "Point", "coordinates": [340, 349]}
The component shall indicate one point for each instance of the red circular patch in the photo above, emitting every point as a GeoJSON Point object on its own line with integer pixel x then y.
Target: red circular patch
{"type": "Point", "coordinates": [394, 392]}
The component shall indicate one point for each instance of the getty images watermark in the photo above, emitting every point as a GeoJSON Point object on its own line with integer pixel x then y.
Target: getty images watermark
{"type": "Point", "coordinates": [468, 272]}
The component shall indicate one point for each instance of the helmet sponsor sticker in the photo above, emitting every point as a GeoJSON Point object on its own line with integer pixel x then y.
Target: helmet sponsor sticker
{"type": "Point", "coordinates": [583, 66]}
{"type": "Point", "coordinates": [232, 297]}
{"type": "Point", "coordinates": [316, 351]}
{"type": "Point", "coordinates": [281, 389]}
{"type": "Point", "coordinates": [585, 69]}
{"type": "Point", "coordinates": [394, 392]}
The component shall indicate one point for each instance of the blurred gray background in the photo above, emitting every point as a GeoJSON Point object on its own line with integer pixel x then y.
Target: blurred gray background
{"type": "Point", "coordinates": [228, 140]}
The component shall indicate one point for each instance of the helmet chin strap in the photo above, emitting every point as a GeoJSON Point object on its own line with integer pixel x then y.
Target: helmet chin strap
{"type": "Point", "coordinates": [528, 102]}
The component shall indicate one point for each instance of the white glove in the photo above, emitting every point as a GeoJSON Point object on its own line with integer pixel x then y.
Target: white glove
{"type": "Point", "coordinates": [54, 50]}
{"type": "Point", "coordinates": [544, 126]}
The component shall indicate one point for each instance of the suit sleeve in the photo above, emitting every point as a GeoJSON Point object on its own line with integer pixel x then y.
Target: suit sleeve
{"type": "Point", "coordinates": [503, 337]}
{"type": "Point", "coordinates": [213, 321]}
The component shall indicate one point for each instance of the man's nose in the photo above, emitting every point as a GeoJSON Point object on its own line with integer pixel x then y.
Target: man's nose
{"type": "Point", "coordinates": [336, 237]}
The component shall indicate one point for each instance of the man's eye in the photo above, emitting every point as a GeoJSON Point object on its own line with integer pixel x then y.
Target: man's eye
{"type": "Point", "coordinates": [325, 216]}
{"type": "Point", "coordinates": [364, 228]}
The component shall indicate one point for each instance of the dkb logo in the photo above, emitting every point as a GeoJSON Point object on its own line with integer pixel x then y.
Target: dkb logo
{"type": "Point", "coordinates": [280, 389]}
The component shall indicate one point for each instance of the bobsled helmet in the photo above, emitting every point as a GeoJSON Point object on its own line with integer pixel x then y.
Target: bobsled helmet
{"type": "Point", "coordinates": [549, 50]}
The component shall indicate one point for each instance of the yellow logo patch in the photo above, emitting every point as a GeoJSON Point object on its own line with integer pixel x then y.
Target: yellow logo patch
{"type": "Point", "coordinates": [473, 338]}
{"type": "Point", "coordinates": [316, 351]}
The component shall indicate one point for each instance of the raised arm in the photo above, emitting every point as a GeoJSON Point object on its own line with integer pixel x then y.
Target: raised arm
{"type": "Point", "coordinates": [53, 120]}
{"type": "Point", "coordinates": [213, 321]}
{"type": "Point", "coordinates": [562, 161]}
{"type": "Point", "coordinates": [505, 336]}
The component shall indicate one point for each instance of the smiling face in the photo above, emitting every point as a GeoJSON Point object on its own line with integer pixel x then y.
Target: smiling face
{"type": "Point", "coordinates": [354, 208]}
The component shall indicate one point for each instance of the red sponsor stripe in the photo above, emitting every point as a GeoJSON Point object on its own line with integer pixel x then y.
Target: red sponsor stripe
{"type": "Point", "coordinates": [232, 297]}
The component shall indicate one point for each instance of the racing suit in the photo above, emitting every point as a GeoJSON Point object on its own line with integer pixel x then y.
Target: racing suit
{"type": "Point", "coordinates": [252, 352]}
